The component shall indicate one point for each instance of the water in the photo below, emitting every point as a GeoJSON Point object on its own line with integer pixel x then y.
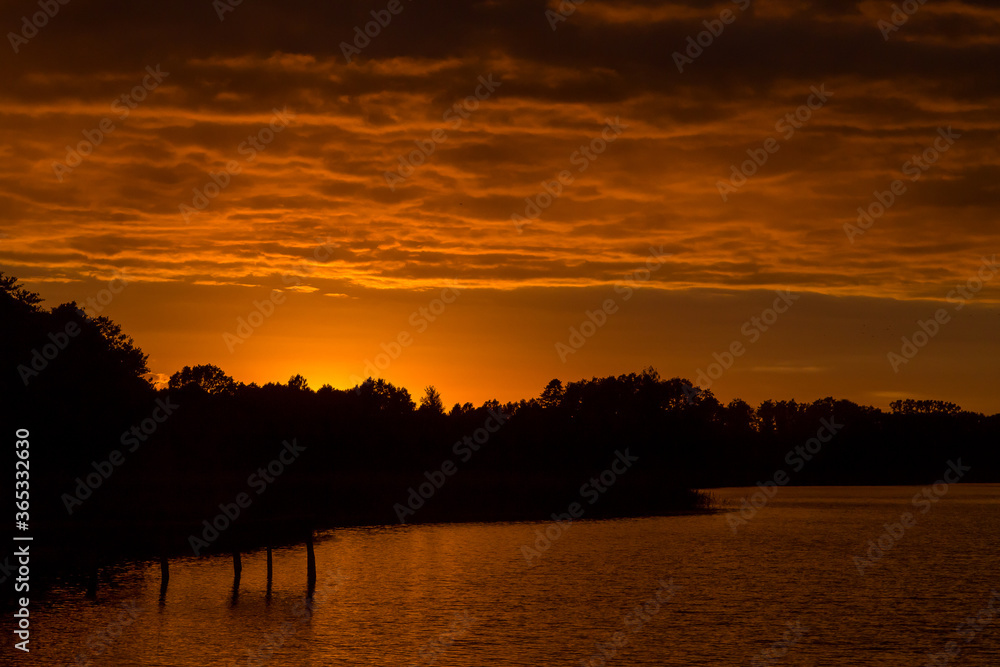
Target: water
{"type": "Point", "coordinates": [785, 590]}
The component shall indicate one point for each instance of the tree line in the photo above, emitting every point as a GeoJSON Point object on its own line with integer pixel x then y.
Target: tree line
{"type": "Point", "coordinates": [119, 462]}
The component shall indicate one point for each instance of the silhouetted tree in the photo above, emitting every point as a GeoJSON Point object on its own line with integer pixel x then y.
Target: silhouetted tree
{"type": "Point", "coordinates": [298, 383]}
{"type": "Point", "coordinates": [552, 394]}
{"type": "Point", "coordinates": [740, 416]}
{"type": "Point", "coordinates": [911, 407]}
{"type": "Point", "coordinates": [383, 397]}
{"type": "Point", "coordinates": [208, 377]}
{"type": "Point", "coordinates": [16, 295]}
{"type": "Point", "coordinates": [367, 445]}
{"type": "Point", "coordinates": [458, 410]}
{"type": "Point", "coordinates": [431, 402]}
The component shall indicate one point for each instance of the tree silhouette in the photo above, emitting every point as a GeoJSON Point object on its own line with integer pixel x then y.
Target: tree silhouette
{"type": "Point", "coordinates": [913, 407]}
{"type": "Point", "coordinates": [461, 409]}
{"type": "Point", "coordinates": [383, 397]}
{"type": "Point", "coordinates": [740, 416]}
{"type": "Point", "coordinates": [121, 349]}
{"type": "Point", "coordinates": [16, 295]}
{"type": "Point", "coordinates": [367, 445]}
{"type": "Point", "coordinates": [298, 383]}
{"type": "Point", "coordinates": [431, 402]}
{"type": "Point", "coordinates": [209, 378]}
{"type": "Point", "coordinates": [552, 394]}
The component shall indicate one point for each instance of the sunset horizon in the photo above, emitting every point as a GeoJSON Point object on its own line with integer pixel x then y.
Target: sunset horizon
{"type": "Point", "coordinates": [358, 173]}
{"type": "Point", "coordinates": [455, 366]}
{"type": "Point", "coordinates": [507, 332]}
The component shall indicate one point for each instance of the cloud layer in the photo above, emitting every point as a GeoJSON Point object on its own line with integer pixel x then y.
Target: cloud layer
{"type": "Point", "coordinates": [871, 100]}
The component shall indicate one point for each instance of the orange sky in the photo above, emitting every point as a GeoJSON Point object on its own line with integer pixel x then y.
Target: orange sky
{"type": "Point", "coordinates": [310, 211]}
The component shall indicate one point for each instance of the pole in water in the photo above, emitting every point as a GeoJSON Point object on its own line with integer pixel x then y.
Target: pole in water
{"type": "Point", "coordinates": [237, 567]}
{"type": "Point", "coordinates": [270, 570]}
{"type": "Point", "coordinates": [164, 576]}
{"type": "Point", "coordinates": [92, 581]}
{"type": "Point", "coordinates": [310, 560]}
{"type": "Point", "coordinates": [270, 566]}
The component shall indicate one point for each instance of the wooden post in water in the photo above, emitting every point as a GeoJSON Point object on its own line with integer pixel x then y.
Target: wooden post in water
{"type": "Point", "coordinates": [270, 571]}
{"type": "Point", "coordinates": [164, 576]}
{"type": "Point", "coordinates": [92, 580]}
{"type": "Point", "coordinates": [310, 560]}
{"type": "Point", "coordinates": [237, 567]}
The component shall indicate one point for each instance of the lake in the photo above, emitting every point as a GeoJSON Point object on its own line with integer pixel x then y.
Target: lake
{"type": "Point", "coordinates": [787, 587]}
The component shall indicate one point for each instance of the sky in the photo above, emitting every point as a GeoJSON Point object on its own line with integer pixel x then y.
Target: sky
{"type": "Point", "coordinates": [775, 199]}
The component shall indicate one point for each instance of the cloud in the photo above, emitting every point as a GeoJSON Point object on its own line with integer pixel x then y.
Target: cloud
{"type": "Point", "coordinates": [323, 177]}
